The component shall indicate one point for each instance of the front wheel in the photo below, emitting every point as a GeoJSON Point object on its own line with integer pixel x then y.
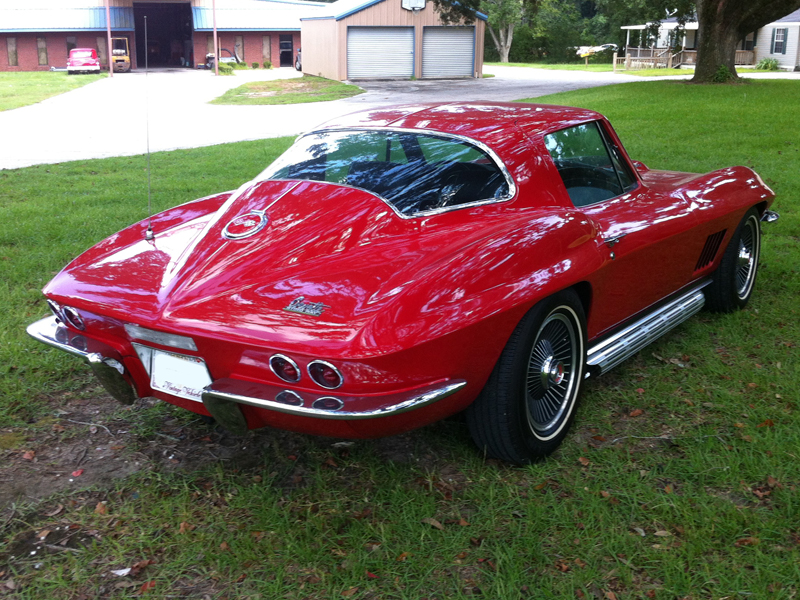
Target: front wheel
{"type": "Point", "coordinates": [526, 407]}
{"type": "Point", "coordinates": [736, 275]}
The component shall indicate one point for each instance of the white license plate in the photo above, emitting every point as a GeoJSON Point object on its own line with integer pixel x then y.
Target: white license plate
{"type": "Point", "coordinates": [179, 375]}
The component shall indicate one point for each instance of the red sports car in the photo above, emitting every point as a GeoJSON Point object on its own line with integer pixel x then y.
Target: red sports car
{"type": "Point", "coordinates": [400, 265]}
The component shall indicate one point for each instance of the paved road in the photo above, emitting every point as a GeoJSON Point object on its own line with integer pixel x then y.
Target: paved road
{"type": "Point", "coordinates": [109, 117]}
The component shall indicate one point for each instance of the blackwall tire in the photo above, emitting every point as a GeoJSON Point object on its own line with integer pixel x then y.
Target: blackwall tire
{"type": "Point", "coordinates": [735, 277]}
{"type": "Point", "coordinates": [528, 404]}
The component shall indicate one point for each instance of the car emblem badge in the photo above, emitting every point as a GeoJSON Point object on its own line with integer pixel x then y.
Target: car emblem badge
{"type": "Point", "coordinates": [300, 305]}
{"type": "Point", "coordinates": [245, 225]}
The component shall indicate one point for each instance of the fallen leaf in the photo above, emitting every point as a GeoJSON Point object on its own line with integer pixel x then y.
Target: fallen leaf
{"type": "Point", "coordinates": [599, 438]}
{"type": "Point", "coordinates": [43, 534]}
{"type": "Point", "coordinates": [580, 563]}
{"type": "Point", "coordinates": [372, 575]}
{"type": "Point", "coordinates": [433, 523]}
{"type": "Point", "coordinates": [29, 455]}
{"type": "Point", "coordinates": [540, 486]}
{"type": "Point", "coordinates": [403, 557]}
{"type": "Point", "coordinates": [224, 546]}
{"type": "Point", "coordinates": [605, 494]}
{"type": "Point", "coordinates": [185, 527]}
{"type": "Point", "coordinates": [610, 596]}
{"type": "Point", "coordinates": [748, 541]}
{"type": "Point", "coordinates": [10, 585]}
{"type": "Point", "coordinates": [752, 385]}
{"type": "Point", "coordinates": [101, 508]}
{"type": "Point", "coordinates": [55, 511]}
{"type": "Point", "coordinates": [562, 566]}
{"type": "Point", "coordinates": [739, 425]}
{"type": "Point", "coordinates": [147, 586]}
{"type": "Point", "coordinates": [584, 461]}
{"type": "Point", "coordinates": [767, 423]}
{"type": "Point", "coordinates": [747, 438]}
{"type": "Point", "coordinates": [771, 481]}
{"type": "Point", "coordinates": [640, 531]}
{"type": "Point", "coordinates": [350, 592]}
{"type": "Point", "coordinates": [122, 572]}
{"type": "Point", "coordinates": [668, 488]}
{"type": "Point", "coordinates": [636, 412]}
{"type": "Point", "coordinates": [662, 533]}
{"type": "Point", "coordinates": [463, 522]}
{"type": "Point", "coordinates": [77, 473]}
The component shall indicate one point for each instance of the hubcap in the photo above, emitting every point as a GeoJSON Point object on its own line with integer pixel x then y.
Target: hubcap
{"type": "Point", "coordinates": [746, 261]}
{"type": "Point", "coordinates": [551, 377]}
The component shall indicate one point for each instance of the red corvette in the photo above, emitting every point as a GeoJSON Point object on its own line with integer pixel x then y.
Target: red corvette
{"type": "Point", "coordinates": [401, 265]}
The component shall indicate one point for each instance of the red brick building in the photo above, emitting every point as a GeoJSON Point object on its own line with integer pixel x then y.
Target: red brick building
{"type": "Point", "coordinates": [37, 35]}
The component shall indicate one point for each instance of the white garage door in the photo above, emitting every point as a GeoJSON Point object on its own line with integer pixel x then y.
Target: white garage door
{"type": "Point", "coordinates": [448, 51]}
{"type": "Point", "coordinates": [380, 52]}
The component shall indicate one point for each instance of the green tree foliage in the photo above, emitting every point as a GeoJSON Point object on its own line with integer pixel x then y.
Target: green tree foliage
{"type": "Point", "coordinates": [504, 16]}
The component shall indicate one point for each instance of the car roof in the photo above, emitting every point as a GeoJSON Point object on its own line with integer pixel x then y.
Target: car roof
{"type": "Point", "coordinates": [477, 120]}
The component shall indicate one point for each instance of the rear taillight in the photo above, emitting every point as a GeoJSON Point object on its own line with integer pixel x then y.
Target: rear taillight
{"type": "Point", "coordinates": [325, 374]}
{"type": "Point", "coordinates": [285, 368]}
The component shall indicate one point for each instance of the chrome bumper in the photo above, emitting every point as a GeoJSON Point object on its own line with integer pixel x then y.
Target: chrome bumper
{"type": "Point", "coordinates": [109, 371]}
{"type": "Point", "coordinates": [770, 216]}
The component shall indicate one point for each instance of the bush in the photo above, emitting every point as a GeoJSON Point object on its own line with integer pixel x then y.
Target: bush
{"type": "Point", "coordinates": [723, 75]}
{"type": "Point", "coordinates": [267, 64]}
{"type": "Point", "coordinates": [768, 64]}
{"type": "Point", "coordinates": [254, 65]}
{"type": "Point", "coordinates": [240, 65]}
{"type": "Point", "coordinates": [225, 69]}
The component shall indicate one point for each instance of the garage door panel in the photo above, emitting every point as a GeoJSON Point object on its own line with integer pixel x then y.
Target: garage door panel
{"type": "Point", "coordinates": [380, 52]}
{"type": "Point", "coordinates": [448, 51]}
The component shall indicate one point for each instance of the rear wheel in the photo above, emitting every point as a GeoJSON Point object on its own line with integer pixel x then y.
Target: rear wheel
{"type": "Point", "coordinates": [736, 275]}
{"type": "Point", "coordinates": [526, 407]}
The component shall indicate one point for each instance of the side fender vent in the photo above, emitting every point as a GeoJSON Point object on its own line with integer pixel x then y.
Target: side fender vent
{"type": "Point", "coordinates": [710, 249]}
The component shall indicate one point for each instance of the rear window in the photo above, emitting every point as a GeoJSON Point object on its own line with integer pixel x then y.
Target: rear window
{"type": "Point", "coordinates": [81, 54]}
{"type": "Point", "coordinates": [415, 173]}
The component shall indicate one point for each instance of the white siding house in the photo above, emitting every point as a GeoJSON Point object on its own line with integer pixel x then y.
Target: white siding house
{"type": "Point", "coordinates": [781, 40]}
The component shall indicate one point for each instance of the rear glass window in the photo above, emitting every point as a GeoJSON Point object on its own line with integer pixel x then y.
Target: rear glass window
{"type": "Point", "coordinates": [81, 54]}
{"type": "Point", "coordinates": [415, 173]}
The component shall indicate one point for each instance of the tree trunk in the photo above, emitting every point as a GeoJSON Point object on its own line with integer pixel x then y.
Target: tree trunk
{"type": "Point", "coordinates": [502, 40]}
{"type": "Point", "coordinates": [716, 45]}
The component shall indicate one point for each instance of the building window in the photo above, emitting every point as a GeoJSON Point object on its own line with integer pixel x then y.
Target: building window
{"type": "Point", "coordinates": [266, 48]}
{"type": "Point", "coordinates": [11, 44]}
{"type": "Point", "coordinates": [779, 41]}
{"type": "Point", "coordinates": [238, 45]}
{"type": "Point", "coordinates": [72, 43]}
{"type": "Point", "coordinates": [41, 47]}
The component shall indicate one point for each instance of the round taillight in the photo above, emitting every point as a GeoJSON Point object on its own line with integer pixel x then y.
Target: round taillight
{"type": "Point", "coordinates": [73, 318]}
{"type": "Point", "coordinates": [325, 374]}
{"type": "Point", "coordinates": [327, 403]}
{"type": "Point", "coordinates": [285, 368]}
{"type": "Point", "coordinates": [55, 309]}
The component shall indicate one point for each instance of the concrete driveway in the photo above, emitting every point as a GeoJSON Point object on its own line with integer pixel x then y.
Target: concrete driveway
{"type": "Point", "coordinates": [112, 117]}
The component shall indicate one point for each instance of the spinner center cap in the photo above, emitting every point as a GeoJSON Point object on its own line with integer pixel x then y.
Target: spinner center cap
{"type": "Point", "coordinates": [245, 225]}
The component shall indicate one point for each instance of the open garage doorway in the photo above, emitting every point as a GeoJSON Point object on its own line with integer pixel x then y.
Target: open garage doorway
{"type": "Point", "coordinates": [169, 34]}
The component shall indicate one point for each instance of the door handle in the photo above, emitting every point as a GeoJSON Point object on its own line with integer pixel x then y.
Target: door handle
{"type": "Point", "coordinates": [613, 241]}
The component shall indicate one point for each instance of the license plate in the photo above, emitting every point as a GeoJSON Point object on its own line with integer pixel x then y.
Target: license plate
{"type": "Point", "coordinates": [179, 375]}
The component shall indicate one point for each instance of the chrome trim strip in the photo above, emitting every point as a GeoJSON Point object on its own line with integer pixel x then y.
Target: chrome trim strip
{"type": "Point", "coordinates": [610, 352]}
{"type": "Point", "coordinates": [770, 216]}
{"type": "Point", "coordinates": [410, 404]}
{"type": "Point", "coordinates": [512, 186]}
{"type": "Point", "coordinates": [45, 330]}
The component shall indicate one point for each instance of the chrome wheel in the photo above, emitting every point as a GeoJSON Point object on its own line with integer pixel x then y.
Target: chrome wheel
{"type": "Point", "coordinates": [550, 379]}
{"type": "Point", "coordinates": [747, 258]}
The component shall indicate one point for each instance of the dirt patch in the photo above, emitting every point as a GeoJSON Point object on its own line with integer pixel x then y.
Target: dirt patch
{"type": "Point", "coordinates": [93, 442]}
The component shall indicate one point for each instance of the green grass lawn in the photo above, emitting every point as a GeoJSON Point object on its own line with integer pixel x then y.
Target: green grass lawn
{"type": "Point", "coordinates": [22, 89]}
{"type": "Point", "coordinates": [679, 480]}
{"type": "Point", "coordinates": [596, 68]}
{"type": "Point", "coordinates": [289, 91]}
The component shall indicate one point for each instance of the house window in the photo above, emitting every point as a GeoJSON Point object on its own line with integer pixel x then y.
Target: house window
{"type": "Point", "coordinates": [41, 47]}
{"type": "Point", "coordinates": [11, 44]}
{"type": "Point", "coordinates": [239, 46]}
{"type": "Point", "coordinates": [779, 41]}
{"type": "Point", "coordinates": [72, 42]}
{"type": "Point", "coordinates": [266, 48]}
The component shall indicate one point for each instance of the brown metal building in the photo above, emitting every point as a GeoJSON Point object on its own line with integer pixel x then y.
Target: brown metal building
{"type": "Point", "coordinates": [362, 39]}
